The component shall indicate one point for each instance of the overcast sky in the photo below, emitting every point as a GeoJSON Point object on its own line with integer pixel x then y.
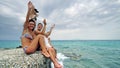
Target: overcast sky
{"type": "Point", "coordinates": [74, 19]}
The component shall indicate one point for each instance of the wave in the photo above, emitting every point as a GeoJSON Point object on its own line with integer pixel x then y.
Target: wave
{"type": "Point", "coordinates": [61, 57]}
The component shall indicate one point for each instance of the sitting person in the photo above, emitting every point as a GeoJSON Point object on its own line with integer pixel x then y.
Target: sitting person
{"type": "Point", "coordinates": [30, 41]}
{"type": "Point", "coordinates": [51, 50]}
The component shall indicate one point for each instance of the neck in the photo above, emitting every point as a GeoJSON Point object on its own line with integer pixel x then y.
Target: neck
{"type": "Point", "coordinates": [39, 29]}
{"type": "Point", "coordinates": [30, 30]}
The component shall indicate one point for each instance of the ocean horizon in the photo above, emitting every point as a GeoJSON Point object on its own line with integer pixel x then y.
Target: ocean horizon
{"type": "Point", "coordinates": [81, 53]}
{"type": "Point", "coordinates": [17, 43]}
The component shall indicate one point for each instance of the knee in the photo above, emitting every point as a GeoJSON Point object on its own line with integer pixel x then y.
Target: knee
{"type": "Point", "coordinates": [40, 36]}
{"type": "Point", "coordinates": [51, 49]}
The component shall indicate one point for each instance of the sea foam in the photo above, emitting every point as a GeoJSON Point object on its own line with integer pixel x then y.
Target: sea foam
{"type": "Point", "coordinates": [61, 57]}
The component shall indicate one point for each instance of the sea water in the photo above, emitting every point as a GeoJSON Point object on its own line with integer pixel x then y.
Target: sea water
{"type": "Point", "coordinates": [82, 53]}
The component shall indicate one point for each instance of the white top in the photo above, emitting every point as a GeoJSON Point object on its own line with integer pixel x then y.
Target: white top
{"type": "Point", "coordinates": [46, 42]}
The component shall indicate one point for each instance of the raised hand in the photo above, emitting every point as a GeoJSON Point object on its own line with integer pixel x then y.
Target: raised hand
{"type": "Point", "coordinates": [44, 21]}
{"type": "Point", "coordinates": [53, 26]}
{"type": "Point", "coordinates": [30, 5]}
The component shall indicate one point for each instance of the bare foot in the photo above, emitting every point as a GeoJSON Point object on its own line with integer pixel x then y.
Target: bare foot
{"type": "Point", "coordinates": [45, 54]}
{"type": "Point", "coordinates": [57, 65]}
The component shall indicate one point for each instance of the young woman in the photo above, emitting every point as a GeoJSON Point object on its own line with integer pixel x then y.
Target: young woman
{"type": "Point", "coordinates": [29, 40]}
{"type": "Point", "coordinates": [51, 50]}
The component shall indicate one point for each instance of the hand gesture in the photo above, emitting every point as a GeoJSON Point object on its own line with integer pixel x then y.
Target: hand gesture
{"type": "Point", "coordinates": [53, 26]}
{"type": "Point", "coordinates": [44, 21]}
{"type": "Point", "coordinates": [30, 5]}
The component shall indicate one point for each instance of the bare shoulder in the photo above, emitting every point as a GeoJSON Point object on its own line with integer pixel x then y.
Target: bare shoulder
{"type": "Point", "coordinates": [24, 31]}
{"type": "Point", "coordinates": [34, 34]}
{"type": "Point", "coordinates": [35, 31]}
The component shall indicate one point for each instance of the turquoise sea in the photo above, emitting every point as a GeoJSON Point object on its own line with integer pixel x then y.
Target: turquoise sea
{"type": "Point", "coordinates": [82, 53]}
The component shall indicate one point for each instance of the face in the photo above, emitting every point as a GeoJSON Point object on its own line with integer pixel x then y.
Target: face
{"type": "Point", "coordinates": [39, 27]}
{"type": "Point", "coordinates": [31, 25]}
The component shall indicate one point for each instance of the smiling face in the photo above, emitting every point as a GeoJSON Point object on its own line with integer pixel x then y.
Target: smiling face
{"type": "Point", "coordinates": [31, 25]}
{"type": "Point", "coordinates": [39, 27]}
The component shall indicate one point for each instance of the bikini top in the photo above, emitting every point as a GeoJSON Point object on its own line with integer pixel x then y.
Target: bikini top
{"type": "Point", "coordinates": [27, 35]}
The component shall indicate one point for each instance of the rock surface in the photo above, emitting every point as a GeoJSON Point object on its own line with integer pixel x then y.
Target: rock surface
{"type": "Point", "coordinates": [16, 58]}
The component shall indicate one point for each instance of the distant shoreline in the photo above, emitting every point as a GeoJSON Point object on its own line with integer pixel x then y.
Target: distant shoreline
{"type": "Point", "coordinates": [12, 44]}
{"type": "Point", "coordinates": [69, 40]}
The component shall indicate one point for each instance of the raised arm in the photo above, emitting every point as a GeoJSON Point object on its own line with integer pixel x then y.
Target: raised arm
{"type": "Point", "coordinates": [49, 32]}
{"type": "Point", "coordinates": [44, 27]}
{"type": "Point", "coordinates": [28, 14]}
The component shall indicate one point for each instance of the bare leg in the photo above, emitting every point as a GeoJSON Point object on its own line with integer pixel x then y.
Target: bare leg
{"type": "Point", "coordinates": [32, 47]}
{"type": "Point", "coordinates": [34, 44]}
{"type": "Point", "coordinates": [52, 57]}
{"type": "Point", "coordinates": [54, 52]}
{"type": "Point", "coordinates": [53, 49]}
{"type": "Point", "coordinates": [43, 47]}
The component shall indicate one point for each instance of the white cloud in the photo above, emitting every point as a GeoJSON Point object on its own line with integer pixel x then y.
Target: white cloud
{"type": "Point", "coordinates": [85, 34]}
{"type": "Point", "coordinates": [118, 1]}
{"type": "Point", "coordinates": [64, 34]}
{"type": "Point", "coordinates": [6, 11]}
{"type": "Point", "coordinates": [81, 8]}
{"type": "Point", "coordinates": [77, 8]}
{"type": "Point", "coordinates": [78, 19]}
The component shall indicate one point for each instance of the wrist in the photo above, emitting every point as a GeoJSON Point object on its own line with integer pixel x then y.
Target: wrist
{"type": "Point", "coordinates": [45, 24]}
{"type": "Point", "coordinates": [29, 9]}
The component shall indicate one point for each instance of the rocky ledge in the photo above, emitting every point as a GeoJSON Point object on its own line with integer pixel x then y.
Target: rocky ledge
{"type": "Point", "coordinates": [16, 58]}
